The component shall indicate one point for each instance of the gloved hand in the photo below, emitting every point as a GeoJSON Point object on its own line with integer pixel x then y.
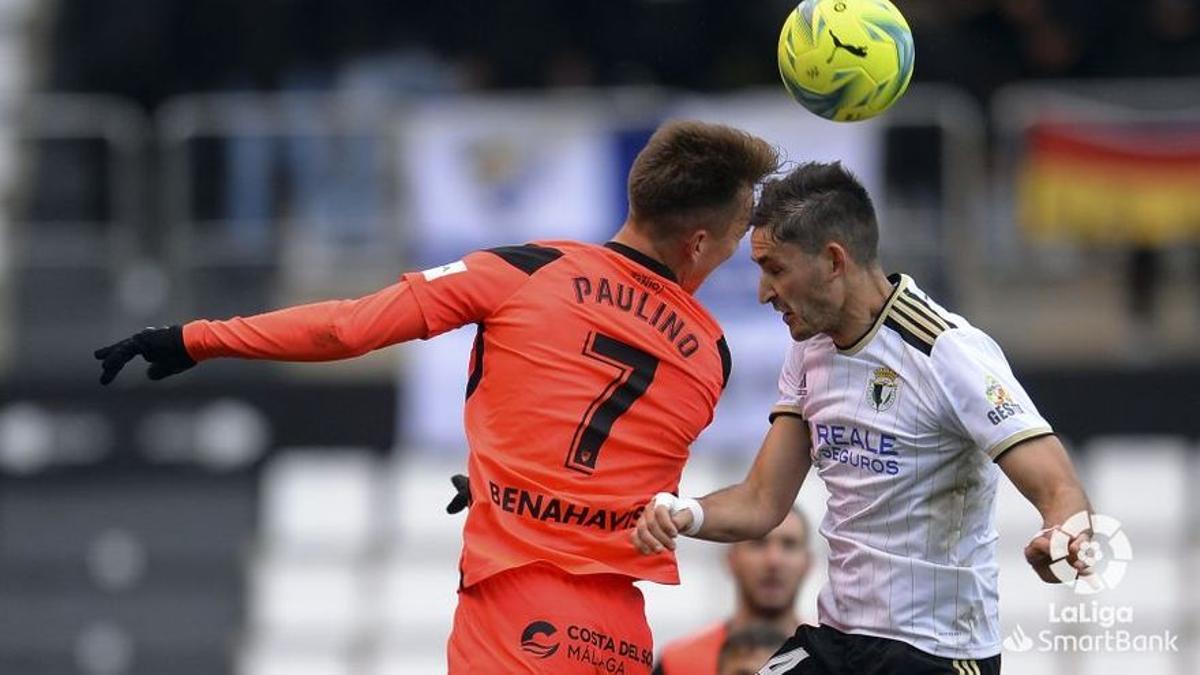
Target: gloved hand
{"type": "Point", "coordinates": [463, 497]}
{"type": "Point", "coordinates": [161, 347]}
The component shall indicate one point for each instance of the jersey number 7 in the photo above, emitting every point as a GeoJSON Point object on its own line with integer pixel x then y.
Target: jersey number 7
{"type": "Point", "coordinates": [636, 371]}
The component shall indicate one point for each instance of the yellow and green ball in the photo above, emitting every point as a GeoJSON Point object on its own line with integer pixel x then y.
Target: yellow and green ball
{"type": "Point", "coordinates": [846, 60]}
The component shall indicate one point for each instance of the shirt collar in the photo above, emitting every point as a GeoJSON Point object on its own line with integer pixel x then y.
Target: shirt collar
{"type": "Point", "coordinates": [642, 259]}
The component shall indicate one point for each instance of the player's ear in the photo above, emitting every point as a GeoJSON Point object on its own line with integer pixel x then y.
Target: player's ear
{"type": "Point", "coordinates": [835, 259]}
{"type": "Point", "coordinates": [702, 237]}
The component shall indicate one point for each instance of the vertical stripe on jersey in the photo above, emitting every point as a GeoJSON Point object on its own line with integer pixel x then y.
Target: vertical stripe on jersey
{"type": "Point", "coordinates": [726, 361]}
{"type": "Point", "coordinates": [476, 362]}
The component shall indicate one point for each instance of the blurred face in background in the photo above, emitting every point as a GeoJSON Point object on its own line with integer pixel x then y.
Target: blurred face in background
{"type": "Point", "coordinates": [769, 571]}
{"type": "Point", "coordinates": [807, 289]}
{"type": "Point", "coordinates": [744, 661]}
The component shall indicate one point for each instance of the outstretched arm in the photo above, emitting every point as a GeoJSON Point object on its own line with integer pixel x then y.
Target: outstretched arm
{"type": "Point", "coordinates": [747, 510]}
{"type": "Point", "coordinates": [420, 305]}
{"type": "Point", "coordinates": [1042, 471]}
{"type": "Point", "coordinates": [322, 331]}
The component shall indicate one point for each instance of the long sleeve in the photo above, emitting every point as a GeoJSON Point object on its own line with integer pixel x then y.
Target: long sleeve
{"type": "Point", "coordinates": [420, 305]}
{"type": "Point", "coordinates": [322, 331]}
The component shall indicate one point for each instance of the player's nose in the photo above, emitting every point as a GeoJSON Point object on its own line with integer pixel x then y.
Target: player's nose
{"type": "Point", "coordinates": [765, 293]}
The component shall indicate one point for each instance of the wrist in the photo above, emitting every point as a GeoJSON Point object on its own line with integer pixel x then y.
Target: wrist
{"type": "Point", "coordinates": [679, 504]}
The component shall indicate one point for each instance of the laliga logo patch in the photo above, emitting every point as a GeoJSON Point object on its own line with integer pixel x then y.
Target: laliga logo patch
{"type": "Point", "coordinates": [455, 267]}
{"type": "Point", "coordinates": [1109, 545]}
{"type": "Point", "coordinates": [883, 389]}
{"type": "Point", "coordinates": [529, 643]}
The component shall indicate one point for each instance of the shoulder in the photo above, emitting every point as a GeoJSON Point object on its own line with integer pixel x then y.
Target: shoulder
{"type": "Point", "coordinates": [963, 344]}
{"type": "Point", "coordinates": [917, 319]}
{"type": "Point", "coordinates": [531, 257]}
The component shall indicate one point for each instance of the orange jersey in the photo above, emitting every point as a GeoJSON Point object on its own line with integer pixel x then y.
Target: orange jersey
{"type": "Point", "coordinates": [695, 654]}
{"type": "Point", "coordinates": [592, 373]}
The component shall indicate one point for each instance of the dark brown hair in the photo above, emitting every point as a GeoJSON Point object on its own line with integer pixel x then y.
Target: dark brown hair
{"type": "Point", "coordinates": [690, 174]}
{"type": "Point", "coordinates": [818, 203]}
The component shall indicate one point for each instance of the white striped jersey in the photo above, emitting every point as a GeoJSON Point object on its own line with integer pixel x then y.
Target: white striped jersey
{"type": "Point", "coordinates": [905, 424]}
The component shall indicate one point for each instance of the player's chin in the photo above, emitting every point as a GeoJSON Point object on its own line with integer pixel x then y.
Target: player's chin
{"type": "Point", "coordinates": [800, 333]}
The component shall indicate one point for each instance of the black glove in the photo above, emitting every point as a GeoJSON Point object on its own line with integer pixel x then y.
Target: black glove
{"type": "Point", "coordinates": [161, 347]}
{"type": "Point", "coordinates": [463, 497]}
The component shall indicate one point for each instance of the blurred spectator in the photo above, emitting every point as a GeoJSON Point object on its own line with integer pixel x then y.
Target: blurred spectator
{"type": "Point", "coordinates": [768, 574]}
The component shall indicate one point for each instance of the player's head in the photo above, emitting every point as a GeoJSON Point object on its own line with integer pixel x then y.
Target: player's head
{"type": "Point", "coordinates": [691, 192]}
{"type": "Point", "coordinates": [747, 649]}
{"type": "Point", "coordinates": [815, 235]}
{"type": "Point", "coordinates": [768, 572]}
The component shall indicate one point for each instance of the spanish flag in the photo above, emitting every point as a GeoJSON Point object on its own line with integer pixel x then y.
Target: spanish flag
{"type": "Point", "coordinates": [1111, 184]}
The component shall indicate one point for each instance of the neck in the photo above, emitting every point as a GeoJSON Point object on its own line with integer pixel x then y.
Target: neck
{"type": "Point", "coordinates": [866, 294]}
{"type": "Point", "coordinates": [785, 620]}
{"type": "Point", "coordinates": [632, 237]}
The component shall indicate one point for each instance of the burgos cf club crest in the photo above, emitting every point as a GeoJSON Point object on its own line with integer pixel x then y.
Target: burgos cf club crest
{"type": "Point", "coordinates": [535, 639]}
{"type": "Point", "coordinates": [883, 389]}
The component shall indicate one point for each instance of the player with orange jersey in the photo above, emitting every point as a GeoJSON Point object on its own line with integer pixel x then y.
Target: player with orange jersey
{"type": "Point", "coordinates": [594, 368]}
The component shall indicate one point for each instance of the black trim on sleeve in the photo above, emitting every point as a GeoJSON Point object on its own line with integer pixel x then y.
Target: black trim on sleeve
{"type": "Point", "coordinates": [656, 266]}
{"type": "Point", "coordinates": [726, 361]}
{"type": "Point", "coordinates": [476, 363]}
{"type": "Point", "coordinates": [924, 345]}
{"type": "Point", "coordinates": [528, 258]}
{"type": "Point", "coordinates": [783, 413]}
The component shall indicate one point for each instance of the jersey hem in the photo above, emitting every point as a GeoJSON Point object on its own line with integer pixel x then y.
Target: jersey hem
{"type": "Point", "coordinates": [471, 579]}
{"type": "Point", "coordinates": [1008, 443]}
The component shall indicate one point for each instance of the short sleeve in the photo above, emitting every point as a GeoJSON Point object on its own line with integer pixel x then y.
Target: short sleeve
{"type": "Point", "coordinates": [982, 393]}
{"type": "Point", "coordinates": [793, 384]}
{"type": "Point", "coordinates": [469, 290]}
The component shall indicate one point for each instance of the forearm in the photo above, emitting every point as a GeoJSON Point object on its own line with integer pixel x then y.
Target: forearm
{"type": "Point", "coordinates": [323, 331]}
{"type": "Point", "coordinates": [737, 513]}
{"type": "Point", "coordinates": [752, 508]}
{"type": "Point", "coordinates": [1061, 502]}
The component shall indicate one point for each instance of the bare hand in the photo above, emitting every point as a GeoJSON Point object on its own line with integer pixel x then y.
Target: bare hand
{"type": "Point", "coordinates": [1037, 554]}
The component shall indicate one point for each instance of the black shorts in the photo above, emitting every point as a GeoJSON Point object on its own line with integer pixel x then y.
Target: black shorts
{"type": "Point", "coordinates": [826, 651]}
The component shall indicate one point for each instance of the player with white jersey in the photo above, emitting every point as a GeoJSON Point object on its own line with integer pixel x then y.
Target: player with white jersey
{"type": "Point", "coordinates": [906, 411]}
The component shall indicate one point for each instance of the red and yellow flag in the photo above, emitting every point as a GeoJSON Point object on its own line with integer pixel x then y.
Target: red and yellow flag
{"type": "Point", "coordinates": [1110, 183]}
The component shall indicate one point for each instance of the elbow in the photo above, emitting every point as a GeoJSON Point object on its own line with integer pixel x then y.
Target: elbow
{"type": "Point", "coordinates": [774, 516]}
{"type": "Point", "coordinates": [345, 343]}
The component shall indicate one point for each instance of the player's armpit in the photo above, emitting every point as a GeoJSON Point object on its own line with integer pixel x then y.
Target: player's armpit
{"type": "Point", "coordinates": [323, 331]}
{"type": "Point", "coordinates": [752, 508]}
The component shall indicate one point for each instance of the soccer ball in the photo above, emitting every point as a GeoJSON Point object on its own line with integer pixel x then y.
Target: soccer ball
{"type": "Point", "coordinates": [846, 60]}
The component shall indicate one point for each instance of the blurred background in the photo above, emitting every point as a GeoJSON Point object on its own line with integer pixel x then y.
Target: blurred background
{"type": "Point", "coordinates": [162, 160]}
